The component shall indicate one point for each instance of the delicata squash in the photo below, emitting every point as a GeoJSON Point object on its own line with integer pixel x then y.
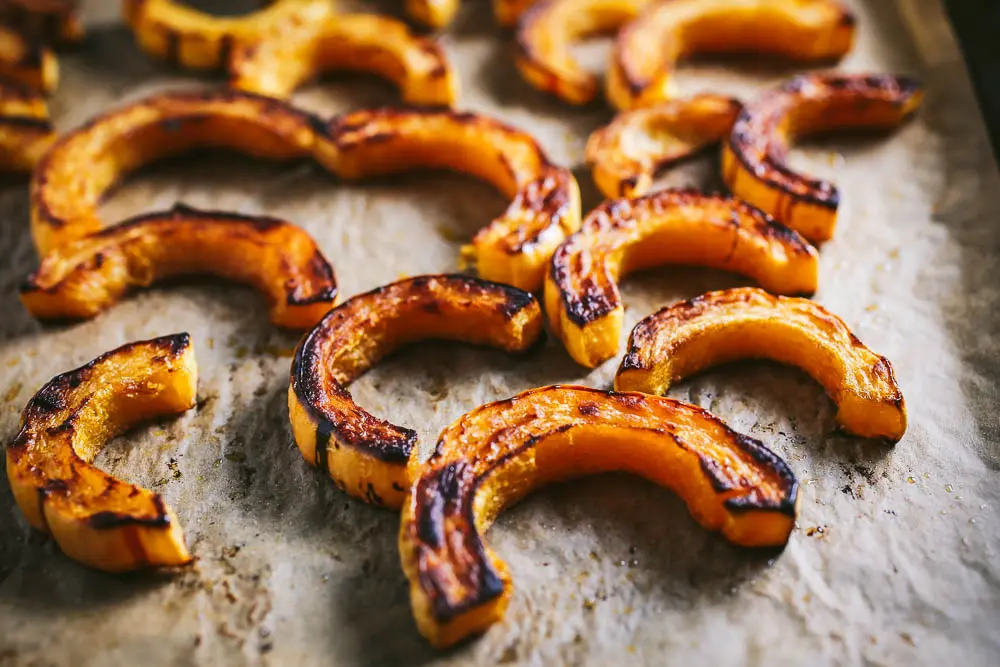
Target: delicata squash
{"type": "Point", "coordinates": [620, 236]}
{"type": "Point", "coordinates": [53, 21]}
{"type": "Point", "coordinates": [25, 129]}
{"type": "Point", "coordinates": [87, 276]}
{"type": "Point", "coordinates": [753, 159]}
{"type": "Point", "coordinates": [748, 323]}
{"type": "Point", "coordinates": [514, 248]}
{"type": "Point", "coordinates": [493, 456]}
{"type": "Point", "coordinates": [281, 62]}
{"type": "Point", "coordinates": [27, 62]}
{"type": "Point", "coordinates": [95, 518]}
{"type": "Point", "coordinates": [627, 153]}
{"type": "Point", "coordinates": [367, 456]}
{"type": "Point", "coordinates": [83, 165]}
{"type": "Point", "coordinates": [432, 13]}
{"type": "Point", "coordinates": [646, 50]}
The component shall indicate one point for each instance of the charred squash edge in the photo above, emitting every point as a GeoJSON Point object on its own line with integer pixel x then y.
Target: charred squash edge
{"type": "Point", "coordinates": [25, 129]}
{"type": "Point", "coordinates": [28, 62]}
{"type": "Point", "coordinates": [663, 335]}
{"type": "Point", "coordinates": [380, 455]}
{"type": "Point", "coordinates": [448, 486]}
{"type": "Point", "coordinates": [300, 293]}
{"type": "Point", "coordinates": [57, 23]}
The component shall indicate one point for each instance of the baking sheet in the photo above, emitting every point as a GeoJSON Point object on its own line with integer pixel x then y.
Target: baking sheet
{"type": "Point", "coordinates": [895, 559]}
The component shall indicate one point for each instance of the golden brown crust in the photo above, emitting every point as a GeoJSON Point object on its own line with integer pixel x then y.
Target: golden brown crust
{"type": "Point", "coordinates": [747, 323]}
{"type": "Point", "coordinates": [25, 130]}
{"type": "Point", "coordinates": [26, 61]}
{"type": "Point", "coordinates": [582, 300]}
{"type": "Point", "coordinates": [513, 248]}
{"type": "Point", "coordinates": [494, 455]}
{"type": "Point", "coordinates": [95, 518]}
{"type": "Point", "coordinates": [366, 456]}
{"type": "Point", "coordinates": [628, 152]}
{"type": "Point", "coordinates": [83, 165]}
{"type": "Point", "coordinates": [753, 159]}
{"type": "Point", "coordinates": [85, 277]}
{"type": "Point", "coordinates": [52, 21]}
{"type": "Point", "coordinates": [646, 50]}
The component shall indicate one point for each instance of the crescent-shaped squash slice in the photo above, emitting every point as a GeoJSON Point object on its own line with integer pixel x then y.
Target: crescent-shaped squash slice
{"type": "Point", "coordinates": [620, 236]}
{"type": "Point", "coordinates": [546, 32]}
{"type": "Point", "coordinates": [753, 159]}
{"type": "Point", "coordinates": [25, 129]}
{"type": "Point", "coordinates": [280, 63]}
{"type": "Point", "coordinates": [26, 61]}
{"type": "Point", "coordinates": [83, 165]}
{"type": "Point", "coordinates": [366, 456]}
{"type": "Point", "coordinates": [96, 519]}
{"type": "Point", "coordinates": [493, 456]}
{"type": "Point", "coordinates": [646, 50]}
{"type": "Point", "coordinates": [52, 21]}
{"type": "Point", "coordinates": [748, 323]}
{"type": "Point", "coordinates": [182, 35]}
{"type": "Point", "coordinates": [514, 248]}
{"type": "Point", "coordinates": [627, 153]}
{"type": "Point", "coordinates": [432, 13]}
{"type": "Point", "coordinates": [85, 277]}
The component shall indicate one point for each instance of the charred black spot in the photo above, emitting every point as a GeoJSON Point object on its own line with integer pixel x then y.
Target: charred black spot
{"type": "Point", "coordinates": [372, 496]}
{"type": "Point", "coordinates": [589, 409]}
{"type": "Point", "coordinates": [107, 520]}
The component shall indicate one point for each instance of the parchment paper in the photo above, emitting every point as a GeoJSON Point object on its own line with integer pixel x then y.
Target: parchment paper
{"type": "Point", "coordinates": [895, 559]}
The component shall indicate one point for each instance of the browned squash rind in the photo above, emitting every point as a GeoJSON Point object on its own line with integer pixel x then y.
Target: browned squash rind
{"type": "Point", "coordinates": [646, 50]}
{"type": "Point", "coordinates": [95, 518]}
{"type": "Point", "coordinates": [628, 152]}
{"type": "Point", "coordinates": [26, 61]}
{"type": "Point", "coordinates": [367, 456]}
{"type": "Point", "coordinates": [582, 300]}
{"type": "Point", "coordinates": [83, 165]}
{"type": "Point", "coordinates": [52, 21]}
{"type": "Point", "coordinates": [514, 248]}
{"type": "Point", "coordinates": [85, 277]}
{"type": "Point", "coordinates": [25, 129]}
{"type": "Point", "coordinates": [753, 159]}
{"type": "Point", "coordinates": [493, 456]}
{"type": "Point", "coordinates": [747, 323]}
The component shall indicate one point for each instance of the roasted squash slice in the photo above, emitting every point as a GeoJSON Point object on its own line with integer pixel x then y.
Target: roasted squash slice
{"type": "Point", "coordinates": [52, 21]}
{"type": "Point", "coordinates": [280, 63]}
{"type": "Point", "coordinates": [25, 129]}
{"type": "Point", "coordinates": [181, 35]}
{"type": "Point", "coordinates": [753, 159]}
{"type": "Point", "coordinates": [582, 299]}
{"type": "Point", "coordinates": [85, 277]}
{"type": "Point", "coordinates": [627, 153]}
{"type": "Point", "coordinates": [432, 13]}
{"type": "Point", "coordinates": [96, 519]}
{"type": "Point", "coordinates": [367, 456]}
{"type": "Point", "coordinates": [646, 50]}
{"type": "Point", "coordinates": [514, 248]}
{"type": "Point", "coordinates": [747, 323]}
{"type": "Point", "coordinates": [546, 32]}
{"type": "Point", "coordinates": [492, 457]}
{"type": "Point", "coordinates": [74, 176]}
{"type": "Point", "coordinates": [27, 62]}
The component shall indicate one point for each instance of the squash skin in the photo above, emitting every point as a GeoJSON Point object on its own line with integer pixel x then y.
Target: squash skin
{"type": "Point", "coordinates": [85, 277]}
{"type": "Point", "coordinates": [83, 165]}
{"type": "Point", "coordinates": [367, 456]}
{"type": "Point", "coordinates": [98, 520]}
{"type": "Point", "coordinates": [747, 323]}
{"type": "Point", "coordinates": [753, 159]}
{"type": "Point", "coordinates": [493, 456]}
{"type": "Point", "coordinates": [25, 129]}
{"type": "Point", "coordinates": [52, 21]}
{"type": "Point", "coordinates": [282, 62]}
{"type": "Point", "coordinates": [545, 206]}
{"type": "Point", "coordinates": [27, 62]}
{"type": "Point", "coordinates": [546, 32]}
{"type": "Point", "coordinates": [582, 300]}
{"type": "Point", "coordinates": [646, 50]}
{"type": "Point", "coordinates": [627, 153]}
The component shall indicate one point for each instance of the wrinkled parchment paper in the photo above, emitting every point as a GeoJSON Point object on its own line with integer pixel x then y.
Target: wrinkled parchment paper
{"type": "Point", "coordinates": [895, 559]}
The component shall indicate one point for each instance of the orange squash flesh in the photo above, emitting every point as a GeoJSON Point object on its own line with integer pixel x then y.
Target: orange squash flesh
{"type": "Point", "coordinates": [27, 62]}
{"type": "Point", "coordinates": [747, 323]}
{"type": "Point", "coordinates": [367, 456]}
{"type": "Point", "coordinates": [83, 165]}
{"type": "Point", "coordinates": [52, 21]}
{"type": "Point", "coordinates": [85, 277]}
{"type": "Point", "coordinates": [280, 63]}
{"type": "Point", "coordinates": [493, 456]}
{"type": "Point", "coordinates": [582, 300]}
{"type": "Point", "coordinates": [753, 159]}
{"type": "Point", "coordinates": [646, 50]}
{"type": "Point", "coordinates": [545, 36]}
{"type": "Point", "coordinates": [95, 518]}
{"type": "Point", "coordinates": [514, 248]}
{"type": "Point", "coordinates": [25, 129]}
{"type": "Point", "coordinates": [432, 13]}
{"type": "Point", "coordinates": [627, 153]}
